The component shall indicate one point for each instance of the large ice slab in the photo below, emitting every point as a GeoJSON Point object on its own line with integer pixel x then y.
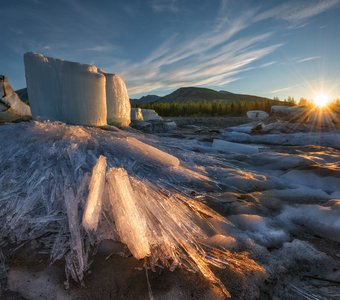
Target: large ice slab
{"type": "Point", "coordinates": [117, 100]}
{"type": "Point", "coordinates": [65, 91]}
{"type": "Point", "coordinates": [11, 107]}
{"type": "Point", "coordinates": [75, 93]}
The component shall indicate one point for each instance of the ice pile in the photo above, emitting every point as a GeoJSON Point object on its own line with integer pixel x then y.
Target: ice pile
{"type": "Point", "coordinates": [75, 93]}
{"type": "Point", "coordinates": [138, 114]}
{"type": "Point", "coordinates": [69, 187]}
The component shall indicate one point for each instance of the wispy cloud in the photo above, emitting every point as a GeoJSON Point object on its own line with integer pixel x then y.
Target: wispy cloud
{"type": "Point", "coordinates": [281, 90]}
{"type": "Point", "coordinates": [270, 63]}
{"type": "Point", "coordinates": [308, 59]}
{"type": "Point", "coordinates": [212, 58]}
{"type": "Point", "coordinates": [163, 5]}
{"type": "Point", "coordinates": [100, 48]}
{"type": "Point", "coordinates": [297, 11]}
{"type": "Point", "coordinates": [288, 88]}
{"type": "Point", "coordinates": [217, 56]}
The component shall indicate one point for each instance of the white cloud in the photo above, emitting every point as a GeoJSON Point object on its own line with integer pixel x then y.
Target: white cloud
{"type": "Point", "coordinates": [297, 11]}
{"type": "Point", "coordinates": [288, 88]}
{"type": "Point", "coordinates": [163, 5]}
{"type": "Point", "coordinates": [308, 59]}
{"type": "Point", "coordinates": [267, 64]}
{"type": "Point", "coordinates": [217, 55]}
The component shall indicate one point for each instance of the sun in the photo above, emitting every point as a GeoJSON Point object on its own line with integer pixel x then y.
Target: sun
{"type": "Point", "coordinates": [321, 100]}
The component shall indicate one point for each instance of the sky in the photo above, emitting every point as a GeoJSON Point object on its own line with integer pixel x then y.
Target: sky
{"type": "Point", "coordinates": [265, 48]}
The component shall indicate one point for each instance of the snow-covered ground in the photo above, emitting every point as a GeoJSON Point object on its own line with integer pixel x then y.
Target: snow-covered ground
{"type": "Point", "coordinates": [265, 213]}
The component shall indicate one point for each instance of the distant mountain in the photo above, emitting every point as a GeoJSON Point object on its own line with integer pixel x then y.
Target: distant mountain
{"type": "Point", "coordinates": [145, 99]}
{"type": "Point", "coordinates": [182, 95]}
{"type": "Point", "coordinates": [203, 94]}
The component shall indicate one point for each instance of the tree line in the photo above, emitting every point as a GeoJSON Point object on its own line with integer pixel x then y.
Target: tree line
{"type": "Point", "coordinates": [210, 108]}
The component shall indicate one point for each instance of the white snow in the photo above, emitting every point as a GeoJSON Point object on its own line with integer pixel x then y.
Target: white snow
{"type": "Point", "coordinates": [257, 228]}
{"type": "Point", "coordinates": [307, 178]}
{"type": "Point", "coordinates": [322, 220]}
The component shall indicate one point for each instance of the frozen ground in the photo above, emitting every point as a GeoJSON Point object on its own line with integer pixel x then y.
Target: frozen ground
{"type": "Point", "coordinates": [278, 221]}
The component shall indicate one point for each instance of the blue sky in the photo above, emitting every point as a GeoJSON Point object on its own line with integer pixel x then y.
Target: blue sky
{"type": "Point", "coordinates": [267, 48]}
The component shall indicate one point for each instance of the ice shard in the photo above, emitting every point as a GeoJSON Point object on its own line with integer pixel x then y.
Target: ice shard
{"type": "Point", "coordinates": [148, 153]}
{"type": "Point", "coordinates": [11, 107]}
{"type": "Point", "coordinates": [117, 101]}
{"type": "Point", "coordinates": [94, 201]}
{"type": "Point", "coordinates": [130, 222]}
{"type": "Point", "coordinates": [65, 91]}
{"type": "Point", "coordinates": [136, 114]}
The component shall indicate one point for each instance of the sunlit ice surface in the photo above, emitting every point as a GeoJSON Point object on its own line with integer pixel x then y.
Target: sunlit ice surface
{"type": "Point", "coordinates": [155, 202]}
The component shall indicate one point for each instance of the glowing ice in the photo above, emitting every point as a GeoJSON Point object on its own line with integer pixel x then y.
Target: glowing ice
{"type": "Point", "coordinates": [151, 154]}
{"type": "Point", "coordinates": [117, 100]}
{"type": "Point", "coordinates": [129, 221]}
{"type": "Point", "coordinates": [94, 201]}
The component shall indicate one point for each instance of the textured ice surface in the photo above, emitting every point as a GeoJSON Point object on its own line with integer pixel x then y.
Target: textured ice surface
{"type": "Point", "coordinates": [226, 146]}
{"type": "Point", "coordinates": [331, 139]}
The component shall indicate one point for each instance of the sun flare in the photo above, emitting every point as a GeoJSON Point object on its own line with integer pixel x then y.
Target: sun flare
{"type": "Point", "coordinates": [321, 100]}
